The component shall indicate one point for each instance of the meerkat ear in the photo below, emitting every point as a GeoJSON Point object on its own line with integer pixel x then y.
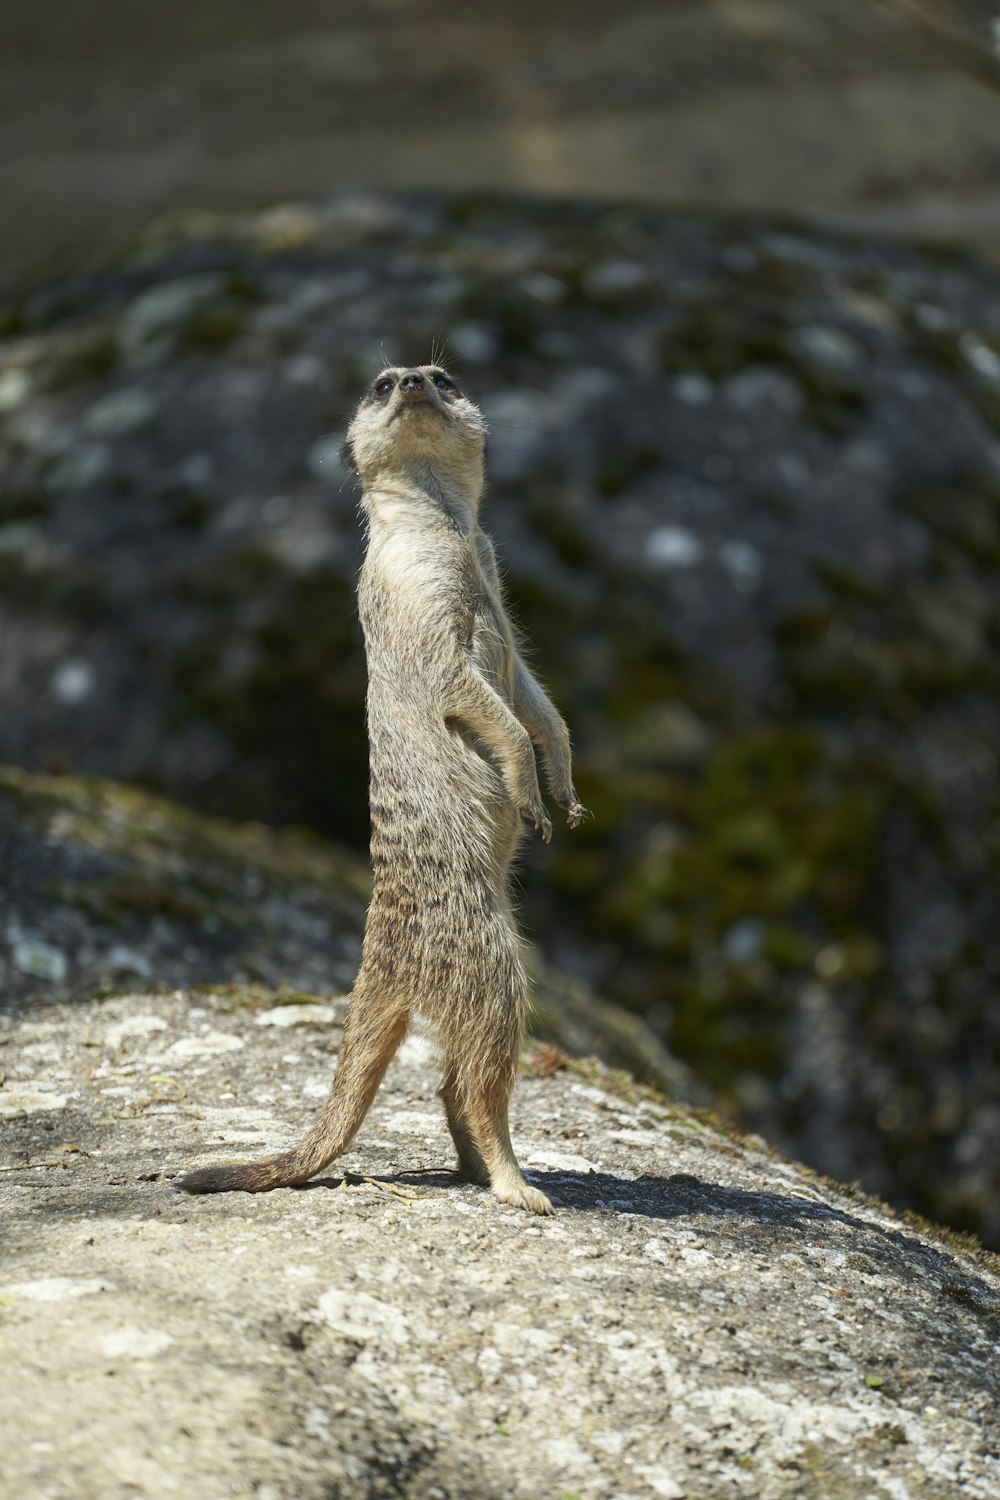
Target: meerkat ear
{"type": "Point", "coordinates": [347, 457]}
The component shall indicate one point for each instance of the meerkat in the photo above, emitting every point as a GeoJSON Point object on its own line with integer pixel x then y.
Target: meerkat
{"type": "Point", "coordinates": [454, 717]}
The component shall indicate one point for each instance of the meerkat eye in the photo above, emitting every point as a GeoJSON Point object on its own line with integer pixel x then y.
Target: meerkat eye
{"type": "Point", "coordinates": [383, 387]}
{"type": "Point", "coordinates": [443, 383]}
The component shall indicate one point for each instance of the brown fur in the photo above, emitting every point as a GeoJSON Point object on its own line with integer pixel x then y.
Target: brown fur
{"type": "Point", "coordinates": [452, 714]}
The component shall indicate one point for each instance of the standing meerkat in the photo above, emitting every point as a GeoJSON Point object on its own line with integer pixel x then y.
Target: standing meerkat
{"type": "Point", "coordinates": [453, 718]}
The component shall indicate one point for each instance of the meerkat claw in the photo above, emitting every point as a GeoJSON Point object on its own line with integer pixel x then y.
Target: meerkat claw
{"type": "Point", "coordinates": [576, 814]}
{"type": "Point", "coordinates": [539, 819]}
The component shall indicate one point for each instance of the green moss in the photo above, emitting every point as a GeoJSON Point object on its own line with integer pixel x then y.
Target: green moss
{"type": "Point", "coordinates": [713, 341]}
{"type": "Point", "coordinates": [719, 340]}
{"type": "Point", "coordinates": [619, 467]}
{"type": "Point", "coordinates": [963, 515]}
{"type": "Point", "coordinates": [31, 586]}
{"type": "Point", "coordinates": [555, 519]}
{"type": "Point", "coordinates": [890, 654]}
{"type": "Point", "coordinates": [849, 582]}
{"type": "Point", "coordinates": [80, 357]}
{"type": "Point", "coordinates": [11, 319]}
{"type": "Point", "coordinates": [24, 505]}
{"type": "Point", "coordinates": [214, 327]}
{"type": "Point", "coordinates": [159, 836]}
{"type": "Point", "coordinates": [516, 318]}
{"type": "Point", "coordinates": [298, 714]}
{"type": "Point", "coordinates": [230, 998]}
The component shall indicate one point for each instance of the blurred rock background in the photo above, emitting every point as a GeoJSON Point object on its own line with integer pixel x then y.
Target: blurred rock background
{"type": "Point", "coordinates": [723, 276]}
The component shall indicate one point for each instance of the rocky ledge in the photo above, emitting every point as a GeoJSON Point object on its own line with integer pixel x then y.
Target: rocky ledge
{"type": "Point", "coordinates": [700, 1318]}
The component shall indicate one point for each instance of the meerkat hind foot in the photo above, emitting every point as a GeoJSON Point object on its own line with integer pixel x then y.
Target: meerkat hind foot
{"type": "Point", "coordinates": [523, 1195]}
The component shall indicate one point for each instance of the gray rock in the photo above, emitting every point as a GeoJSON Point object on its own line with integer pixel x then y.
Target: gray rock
{"type": "Point", "coordinates": [699, 1317]}
{"type": "Point", "coordinates": [762, 386]}
{"type": "Point", "coordinates": [124, 411]}
{"type": "Point", "coordinates": [828, 347]}
{"type": "Point", "coordinates": [473, 343]}
{"type": "Point", "coordinates": [43, 960]}
{"type": "Point", "coordinates": [162, 309]}
{"type": "Point", "coordinates": [73, 682]}
{"type": "Point", "coordinates": [79, 467]}
{"type": "Point", "coordinates": [673, 547]}
{"type": "Point", "coordinates": [614, 279]}
{"type": "Point", "coordinates": [19, 536]}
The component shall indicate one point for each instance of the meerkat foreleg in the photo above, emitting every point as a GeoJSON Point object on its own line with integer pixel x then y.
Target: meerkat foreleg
{"type": "Point", "coordinates": [474, 703]}
{"type": "Point", "coordinates": [546, 728]}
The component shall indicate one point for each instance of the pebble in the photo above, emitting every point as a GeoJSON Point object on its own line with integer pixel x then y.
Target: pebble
{"type": "Point", "coordinates": [359, 1316]}
{"type": "Point", "coordinates": [142, 1025]}
{"type": "Point", "coordinates": [55, 1289]}
{"type": "Point", "coordinates": [298, 1015]}
{"type": "Point", "coordinates": [135, 1343]}
{"type": "Point", "coordinates": [204, 1046]}
{"type": "Point", "coordinates": [14, 1103]}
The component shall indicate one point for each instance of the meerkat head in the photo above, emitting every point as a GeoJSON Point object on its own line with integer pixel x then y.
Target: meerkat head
{"type": "Point", "coordinates": [414, 422]}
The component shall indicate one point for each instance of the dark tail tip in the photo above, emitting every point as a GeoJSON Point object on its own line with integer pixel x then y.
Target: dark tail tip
{"type": "Point", "coordinates": [218, 1180]}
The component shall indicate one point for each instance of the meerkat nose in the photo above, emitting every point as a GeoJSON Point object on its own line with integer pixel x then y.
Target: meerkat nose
{"type": "Point", "coordinates": [412, 382]}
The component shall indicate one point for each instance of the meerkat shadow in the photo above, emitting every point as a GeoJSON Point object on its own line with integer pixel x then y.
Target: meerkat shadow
{"type": "Point", "coordinates": [675, 1196]}
{"type": "Point", "coordinates": [759, 1218]}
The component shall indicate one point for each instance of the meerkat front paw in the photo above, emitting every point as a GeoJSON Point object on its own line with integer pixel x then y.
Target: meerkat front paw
{"type": "Point", "coordinates": [533, 809]}
{"type": "Point", "coordinates": [569, 800]}
{"type": "Point", "coordinates": [544, 824]}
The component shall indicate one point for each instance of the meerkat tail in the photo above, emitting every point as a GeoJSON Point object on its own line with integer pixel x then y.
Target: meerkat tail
{"type": "Point", "coordinates": [372, 1036]}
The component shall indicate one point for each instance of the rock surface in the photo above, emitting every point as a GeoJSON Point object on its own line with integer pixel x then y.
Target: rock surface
{"type": "Point", "coordinates": [699, 1319]}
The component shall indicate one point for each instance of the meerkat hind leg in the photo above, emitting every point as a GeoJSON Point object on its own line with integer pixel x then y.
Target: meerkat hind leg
{"type": "Point", "coordinates": [487, 1117]}
{"type": "Point", "coordinates": [470, 1161]}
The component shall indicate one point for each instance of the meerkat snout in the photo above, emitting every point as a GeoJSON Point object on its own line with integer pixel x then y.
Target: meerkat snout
{"type": "Point", "coordinates": [412, 418]}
